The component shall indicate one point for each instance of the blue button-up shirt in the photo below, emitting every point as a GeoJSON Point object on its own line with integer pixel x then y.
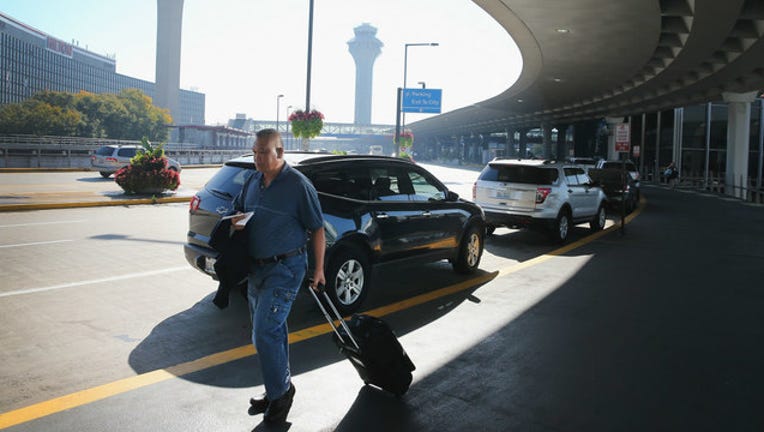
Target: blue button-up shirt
{"type": "Point", "coordinates": [284, 212]}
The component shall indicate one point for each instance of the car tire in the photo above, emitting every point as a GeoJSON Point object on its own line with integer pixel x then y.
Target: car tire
{"type": "Point", "coordinates": [489, 229]}
{"type": "Point", "coordinates": [470, 251]}
{"type": "Point", "coordinates": [104, 174]}
{"type": "Point", "coordinates": [598, 222]}
{"type": "Point", "coordinates": [561, 227]}
{"type": "Point", "coordinates": [348, 279]}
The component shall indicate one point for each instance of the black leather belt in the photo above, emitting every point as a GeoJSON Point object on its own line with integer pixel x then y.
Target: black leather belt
{"type": "Point", "coordinates": [277, 258]}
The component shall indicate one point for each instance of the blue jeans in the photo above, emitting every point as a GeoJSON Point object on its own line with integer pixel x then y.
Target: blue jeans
{"type": "Point", "coordinates": [272, 289]}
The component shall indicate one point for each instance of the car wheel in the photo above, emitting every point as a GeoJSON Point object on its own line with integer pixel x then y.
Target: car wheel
{"type": "Point", "coordinates": [599, 220]}
{"type": "Point", "coordinates": [470, 251]}
{"type": "Point", "coordinates": [489, 229]}
{"type": "Point", "coordinates": [561, 227]}
{"type": "Point", "coordinates": [347, 279]}
{"type": "Point", "coordinates": [104, 174]}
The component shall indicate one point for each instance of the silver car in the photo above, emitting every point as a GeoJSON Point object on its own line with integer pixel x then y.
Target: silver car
{"type": "Point", "coordinates": [110, 158]}
{"type": "Point", "coordinates": [537, 193]}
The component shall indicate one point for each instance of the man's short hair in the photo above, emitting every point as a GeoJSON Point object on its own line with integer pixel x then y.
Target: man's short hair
{"type": "Point", "coordinates": [268, 134]}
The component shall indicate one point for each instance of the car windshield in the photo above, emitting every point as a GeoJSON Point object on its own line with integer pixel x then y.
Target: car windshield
{"type": "Point", "coordinates": [519, 174]}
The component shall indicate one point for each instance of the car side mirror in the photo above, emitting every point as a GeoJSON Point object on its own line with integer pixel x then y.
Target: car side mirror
{"type": "Point", "coordinates": [452, 196]}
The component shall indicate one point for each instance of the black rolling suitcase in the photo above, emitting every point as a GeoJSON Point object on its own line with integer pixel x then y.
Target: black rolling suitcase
{"type": "Point", "coordinates": [372, 348]}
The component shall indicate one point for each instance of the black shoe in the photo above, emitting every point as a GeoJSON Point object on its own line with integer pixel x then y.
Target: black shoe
{"type": "Point", "coordinates": [278, 409]}
{"type": "Point", "coordinates": [259, 405]}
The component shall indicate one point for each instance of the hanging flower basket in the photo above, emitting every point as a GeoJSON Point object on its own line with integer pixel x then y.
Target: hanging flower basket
{"type": "Point", "coordinates": [306, 124]}
{"type": "Point", "coordinates": [405, 145]}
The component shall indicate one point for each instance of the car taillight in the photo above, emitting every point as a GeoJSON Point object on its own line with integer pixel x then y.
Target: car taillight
{"type": "Point", "coordinates": [193, 205]}
{"type": "Point", "coordinates": [474, 191]}
{"type": "Point", "coordinates": [111, 159]}
{"type": "Point", "coordinates": [541, 194]}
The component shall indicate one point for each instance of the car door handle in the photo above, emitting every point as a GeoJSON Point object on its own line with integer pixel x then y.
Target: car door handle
{"type": "Point", "coordinates": [426, 213]}
{"type": "Point", "coordinates": [382, 215]}
{"type": "Point", "coordinates": [570, 190]}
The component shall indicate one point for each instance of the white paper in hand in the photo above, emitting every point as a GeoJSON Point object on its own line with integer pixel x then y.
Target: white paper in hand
{"type": "Point", "coordinates": [247, 217]}
{"type": "Point", "coordinates": [242, 222]}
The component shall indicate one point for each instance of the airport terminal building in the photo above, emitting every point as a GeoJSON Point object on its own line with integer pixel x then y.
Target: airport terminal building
{"type": "Point", "coordinates": [32, 61]}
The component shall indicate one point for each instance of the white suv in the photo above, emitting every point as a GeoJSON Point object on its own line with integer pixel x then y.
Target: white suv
{"type": "Point", "coordinates": [537, 193]}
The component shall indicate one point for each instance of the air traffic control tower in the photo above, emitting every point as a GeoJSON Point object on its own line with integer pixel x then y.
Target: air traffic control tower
{"type": "Point", "coordinates": [169, 24]}
{"type": "Point", "coordinates": [364, 48]}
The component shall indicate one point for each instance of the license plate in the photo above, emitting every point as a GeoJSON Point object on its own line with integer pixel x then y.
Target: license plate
{"type": "Point", "coordinates": [209, 265]}
{"type": "Point", "coordinates": [500, 194]}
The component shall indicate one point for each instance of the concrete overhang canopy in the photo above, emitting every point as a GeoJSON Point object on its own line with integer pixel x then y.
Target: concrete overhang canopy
{"type": "Point", "coordinates": [587, 59]}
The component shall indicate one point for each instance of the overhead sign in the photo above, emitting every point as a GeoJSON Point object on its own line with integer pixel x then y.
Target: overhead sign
{"type": "Point", "coordinates": [416, 100]}
{"type": "Point", "coordinates": [622, 137]}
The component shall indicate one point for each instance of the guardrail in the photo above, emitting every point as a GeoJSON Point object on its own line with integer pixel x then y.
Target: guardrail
{"type": "Point", "coordinates": [739, 188]}
{"type": "Point", "coordinates": [26, 151]}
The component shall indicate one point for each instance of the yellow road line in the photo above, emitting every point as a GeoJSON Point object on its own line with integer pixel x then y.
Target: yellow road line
{"type": "Point", "coordinates": [93, 394]}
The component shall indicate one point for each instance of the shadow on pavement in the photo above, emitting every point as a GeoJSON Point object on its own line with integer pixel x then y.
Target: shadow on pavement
{"type": "Point", "coordinates": [204, 329]}
{"type": "Point", "coordinates": [659, 330]}
{"type": "Point", "coordinates": [123, 237]}
{"type": "Point", "coordinates": [96, 179]}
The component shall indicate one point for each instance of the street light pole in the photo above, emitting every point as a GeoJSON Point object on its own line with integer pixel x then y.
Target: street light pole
{"type": "Point", "coordinates": [402, 124]}
{"type": "Point", "coordinates": [286, 117]}
{"type": "Point", "coordinates": [278, 100]}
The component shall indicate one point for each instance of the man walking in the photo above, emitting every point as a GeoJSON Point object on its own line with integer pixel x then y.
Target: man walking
{"type": "Point", "coordinates": [286, 209]}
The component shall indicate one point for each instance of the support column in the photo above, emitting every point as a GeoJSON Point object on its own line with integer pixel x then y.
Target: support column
{"type": "Point", "coordinates": [562, 148]}
{"type": "Point", "coordinates": [523, 148]}
{"type": "Point", "coordinates": [738, 137]}
{"type": "Point", "coordinates": [611, 124]}
{"type": "Point", "coordinates": [676, 149]}
{"type": "Point", "coordinates": [546, 137]}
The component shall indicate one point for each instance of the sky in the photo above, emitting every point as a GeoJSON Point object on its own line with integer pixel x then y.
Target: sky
{"type": "Point", "coordinates": [243, 53]}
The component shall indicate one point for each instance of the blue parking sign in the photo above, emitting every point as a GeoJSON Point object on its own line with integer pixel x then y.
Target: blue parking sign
{"type": "Point", "coordinates": [417, 100]}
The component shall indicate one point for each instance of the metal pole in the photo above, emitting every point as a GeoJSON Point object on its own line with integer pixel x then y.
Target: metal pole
{"type": "Point", "coordinates": [310, 55]}
{"type": "Point", "coordinates": [761, 142]}
{"type": "Point", "coordinates": [657, 148]}
{"type": "Point", "coordinates": [708, 143]}
{"type": "Point", "coordinates": [278, 108]}
{"type": "Point", "coordinates": [405, 67]}
{"type": "Point", "coordinates": [642, 148]}
{"type": "Point", "coordinates": [398, 121]}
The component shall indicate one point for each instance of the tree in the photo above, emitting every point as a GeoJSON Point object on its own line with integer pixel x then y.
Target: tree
{"type": "Point", "coordinates": [145, 119]}
{"type": "Point", "coordinates": [40, 118]}
{"type": "Point", "coordinates": [128, 115]}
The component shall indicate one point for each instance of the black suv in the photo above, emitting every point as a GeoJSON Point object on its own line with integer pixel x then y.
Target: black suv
{"type": "Point", "coordinates": [377, 210]}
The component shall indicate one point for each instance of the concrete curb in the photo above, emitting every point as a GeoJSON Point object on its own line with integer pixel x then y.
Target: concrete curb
{"type": "Point", "coordinates": [49, 206]}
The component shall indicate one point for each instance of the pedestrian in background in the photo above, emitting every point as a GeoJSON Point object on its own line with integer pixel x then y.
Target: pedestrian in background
{"type": "Point", "coordinates": [671, 174]}
{"type": "Point", "coordinates": [286, 210]}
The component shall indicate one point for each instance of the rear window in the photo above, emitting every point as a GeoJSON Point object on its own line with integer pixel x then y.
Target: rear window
{"type": "Point", "coordinates": [519, 174]}
{"type": "Point", "coordinates": [105, 151]}
{"type": "Point", "coordinates": [229, 180]}
{"type": "Point", "coordinates": [127, 152]}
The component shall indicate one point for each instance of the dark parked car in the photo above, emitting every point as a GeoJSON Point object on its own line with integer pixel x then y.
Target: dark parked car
{"type": "Point", "coordinates": [377, 210]}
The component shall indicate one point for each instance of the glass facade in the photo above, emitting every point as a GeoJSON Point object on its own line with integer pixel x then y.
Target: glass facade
{"type": "Point", "coordinates": [31, 61]}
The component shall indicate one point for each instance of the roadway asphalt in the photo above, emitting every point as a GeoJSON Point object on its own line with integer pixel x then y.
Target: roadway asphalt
{"type": "Point", "coordinates": [656, 329]}
{"type": "Point", "coordinates": [19, 190]}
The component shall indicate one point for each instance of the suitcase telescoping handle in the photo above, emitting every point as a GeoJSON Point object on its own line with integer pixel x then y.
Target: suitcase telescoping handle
{"type": "Point", "coordinates": [336, 314]}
